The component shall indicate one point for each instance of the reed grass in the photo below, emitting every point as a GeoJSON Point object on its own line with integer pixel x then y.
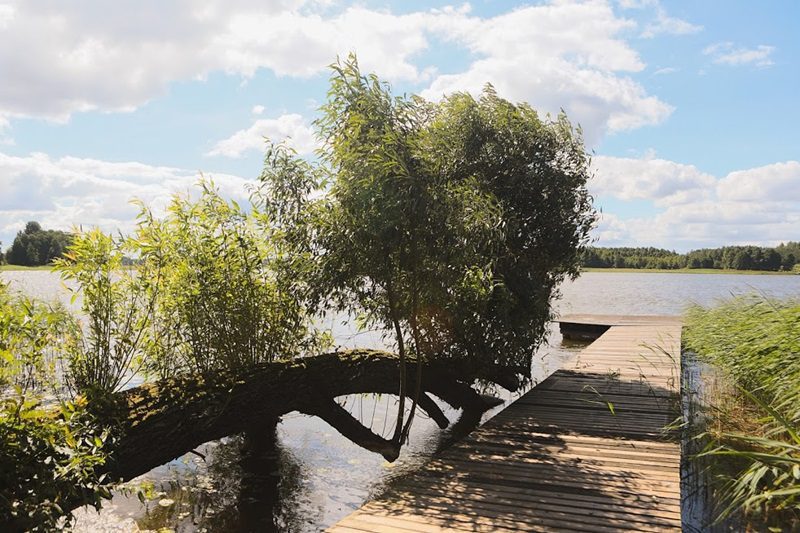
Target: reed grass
{"type": "Point", "coordinates": [753, 433]}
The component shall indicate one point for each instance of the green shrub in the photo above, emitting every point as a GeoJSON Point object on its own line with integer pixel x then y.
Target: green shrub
{"type": "Point", "coordinates": [116, 306]}
{"type": "Point", "coordinates": [221, 303]}
{"type": "Point", "coordinates": [48, 463]}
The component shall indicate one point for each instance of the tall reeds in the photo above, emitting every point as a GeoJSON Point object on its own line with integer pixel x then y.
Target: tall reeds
{"type": "Point", "coordinates": [754, 433]}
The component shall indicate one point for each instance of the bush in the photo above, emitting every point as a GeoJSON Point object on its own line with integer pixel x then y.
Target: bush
{"type": "Point", "coordinates": [48, 464]}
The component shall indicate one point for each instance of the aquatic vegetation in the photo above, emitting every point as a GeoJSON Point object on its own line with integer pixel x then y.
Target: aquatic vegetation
{"type": "Point", "coordinates": [754, 432]}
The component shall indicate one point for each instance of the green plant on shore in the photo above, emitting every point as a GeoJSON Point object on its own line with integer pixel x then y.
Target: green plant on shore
{"type": "Point", "coordinates": [447, 225]}
{"type": "Point", "coordinates": [221, 303]}
{"type": "Point", "coordinates": [33, 337]}
{"type": "Point", "coordinates": [116, 305]}
{"type": "Point", "coordinates": [49, 449]}
{"type": "Point", "coordinates": [49, 459]}
{"type": "Point", "coordinates": [755, 341]}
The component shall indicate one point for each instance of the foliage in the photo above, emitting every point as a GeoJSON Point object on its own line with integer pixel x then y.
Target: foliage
{"type": "Point", "coordinates": [783, 257]}
{"type": "Point", "coordinates": [48, 452]}
{"type": "Point", "coordinates": [35, 246]}
{"type": "Point", "coordinates": [117, 305]}
{"type": "Point", "coordinates": [452, 222]}
{"type": "Point", "coordinates": [219, 302]}
{"type": "Point", "coordinates": [449, 224]}
{"type": "Point", "coordinates": [756, 342]}
{"type": "Point", "coordinates": [48, 463]}
{"type": "Point", "coordinates": [33, 336]}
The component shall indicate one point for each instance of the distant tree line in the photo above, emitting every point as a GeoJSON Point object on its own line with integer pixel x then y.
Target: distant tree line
{"type": "Point", "coordinates": [783, 257]}
{"type": "Point", "coordinates": [35, 246]}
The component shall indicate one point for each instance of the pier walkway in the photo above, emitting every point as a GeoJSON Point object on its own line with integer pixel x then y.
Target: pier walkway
{"type": "Point", "coordinates": [584, 450]}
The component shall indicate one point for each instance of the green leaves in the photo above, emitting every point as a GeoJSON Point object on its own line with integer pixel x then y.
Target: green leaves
{"type": "Point", "coordinates": [458, 219]}
{"type": "Point", "coordinates": [116, 307]}
{"type": "Point", "coordinates": [223, 301]}
{"type": "Point", "coordinates": [34, 337]}
{"type": "Point", "coordinates": [48, 463]}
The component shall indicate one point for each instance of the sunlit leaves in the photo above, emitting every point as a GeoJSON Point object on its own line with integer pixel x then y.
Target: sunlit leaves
{"type": "Point", "coordinates": [221, 303]}
{"type": "Point", "coordinates": [457, 220]}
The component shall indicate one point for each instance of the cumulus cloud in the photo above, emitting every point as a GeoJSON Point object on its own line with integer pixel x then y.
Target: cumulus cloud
{"type": "Point", "coordinates": [558, 55]}
{"type": "Point", "coordinates": [115, 57]}
{"type": "Point", "coordinates": [753, 206]}
{"type": "Point", "coordinates": [291, 128]}
{"type": "Point", "coordinates": [68, 191]}
{"type": "Point", "coordinates": [770, 182]}
{"type": "Point", "coordinates": [661, 181]}
{"type": "Point", "coordinates": [727, 53]}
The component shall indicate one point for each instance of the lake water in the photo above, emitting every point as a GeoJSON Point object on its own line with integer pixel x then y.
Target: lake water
{"type": "Point", "coordinates": [319, 476]}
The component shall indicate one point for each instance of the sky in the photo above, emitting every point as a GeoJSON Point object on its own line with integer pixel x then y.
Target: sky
{"type": "Point", "coordinates": [690, 109]}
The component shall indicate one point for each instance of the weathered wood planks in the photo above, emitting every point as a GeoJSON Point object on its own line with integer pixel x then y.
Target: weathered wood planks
{"type": "Point", "coordinates": [585, 450]}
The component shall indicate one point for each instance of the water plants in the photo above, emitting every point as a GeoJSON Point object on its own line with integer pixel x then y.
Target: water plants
{"type": "Point", "coordinates": [754, 433]}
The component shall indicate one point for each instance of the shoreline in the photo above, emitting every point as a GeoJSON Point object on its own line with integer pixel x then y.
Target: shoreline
{"type": "Point", "coordinates": [690, 271]}
{"type": "Point", "coordinates": [20, 268]}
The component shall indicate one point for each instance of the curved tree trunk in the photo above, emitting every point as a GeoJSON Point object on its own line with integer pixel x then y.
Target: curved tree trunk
{"type": "Point", "coordinates": [159, 422]}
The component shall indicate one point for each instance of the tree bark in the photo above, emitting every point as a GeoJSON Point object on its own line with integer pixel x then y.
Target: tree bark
{"type": "Point", "coordinates": [159, 422]}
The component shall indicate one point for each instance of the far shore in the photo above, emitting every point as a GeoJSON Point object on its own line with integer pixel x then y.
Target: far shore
{"type": "Point", "coordinates": [13, 268]}
{"type": "Point", "coordinates": [690, 271]}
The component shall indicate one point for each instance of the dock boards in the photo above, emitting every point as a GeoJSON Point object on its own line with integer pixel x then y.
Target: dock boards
{"type": "Point", "coordinates": [585, 450]}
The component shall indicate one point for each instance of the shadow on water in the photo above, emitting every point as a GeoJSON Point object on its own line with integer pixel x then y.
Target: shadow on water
{"type": "Point", "coordinates": [243, 484]}
{"type": "Point", "coordinates": [699, 501]}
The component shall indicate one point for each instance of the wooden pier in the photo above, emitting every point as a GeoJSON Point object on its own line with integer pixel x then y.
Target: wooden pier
{"type": "Point", "coordinates": [585, 450]}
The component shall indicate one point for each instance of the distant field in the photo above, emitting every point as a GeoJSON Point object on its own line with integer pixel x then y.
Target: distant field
{"type": "Point", "coordinates": [4, 268]}
{"type": "Point", "coordinates": [689, 271]}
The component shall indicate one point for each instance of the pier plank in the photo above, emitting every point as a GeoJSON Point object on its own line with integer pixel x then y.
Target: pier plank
{"type": "Point", "coordinates": [585, 450]}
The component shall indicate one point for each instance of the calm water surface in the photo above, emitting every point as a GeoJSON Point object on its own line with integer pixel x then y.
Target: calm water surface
{"type": "Point", "coordinates": [318, 476]}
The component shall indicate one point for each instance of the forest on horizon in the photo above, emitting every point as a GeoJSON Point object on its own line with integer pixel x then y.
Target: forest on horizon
{"type": "Point", "coordinates": [784, 257]}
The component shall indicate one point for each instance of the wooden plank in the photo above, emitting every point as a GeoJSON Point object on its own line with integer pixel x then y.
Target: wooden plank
{"type": "Point", "coordinates": [559, 459]}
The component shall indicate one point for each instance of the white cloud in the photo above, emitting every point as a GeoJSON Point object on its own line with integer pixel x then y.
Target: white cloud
{"type": "Point", "coordinates": [68, 191]}
{"type": "Point", "coordinates": [778, 181]}
{"type": "Point", "coordinates": [115, 58]}
{"type": "Point", "coordinates": [727, 53]}
{"type": "Point", "coordinates": [661, 181]}
{"type": "Point", "coordinates": [665, 70]}
{"type": "Point", "coordinates": [291, 128]}
{"type": "Point", "coordinates": [753, 206]}
{"type": "Point", "coordinates": [559, 55]}
{"type": "Point", "coordinates": [258, 109]}
{"type": "Point", "coordinates": [664, 24]}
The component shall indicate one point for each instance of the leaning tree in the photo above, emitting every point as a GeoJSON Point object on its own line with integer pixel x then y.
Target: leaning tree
{"type": "Point", "coordinates": [448, 225]}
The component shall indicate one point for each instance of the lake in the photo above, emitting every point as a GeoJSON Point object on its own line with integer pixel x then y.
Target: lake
{"type": "Point", "coordinates": [318, 475]}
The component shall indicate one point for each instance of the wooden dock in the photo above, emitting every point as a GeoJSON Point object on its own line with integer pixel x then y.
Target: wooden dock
{"type": "Point", "coordinates": [585, 450]}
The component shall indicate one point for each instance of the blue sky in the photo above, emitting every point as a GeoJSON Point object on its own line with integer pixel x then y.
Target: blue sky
{"type": "Point", "coordinates": [690, 108]}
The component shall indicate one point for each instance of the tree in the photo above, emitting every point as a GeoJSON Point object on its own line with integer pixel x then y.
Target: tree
{"type": "Point", "coordinates": [451, 224]}
{"type": "Point", "coordinates": [35, 246]}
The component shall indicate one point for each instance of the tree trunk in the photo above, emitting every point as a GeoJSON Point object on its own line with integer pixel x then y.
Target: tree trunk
{"type": "Point", "coordinates": [161, 421]}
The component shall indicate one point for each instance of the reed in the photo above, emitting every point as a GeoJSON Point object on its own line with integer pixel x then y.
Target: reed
{"type": "Point", "coordinates": [753, 433]}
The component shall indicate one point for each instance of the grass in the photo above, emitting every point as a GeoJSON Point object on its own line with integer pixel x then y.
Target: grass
{"type": "Point", "coordinates": [754, 432]}
{"type": "Point", "coordinates": [13, 268]}
{"type": "Point", "coordinates": [688, 271]}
